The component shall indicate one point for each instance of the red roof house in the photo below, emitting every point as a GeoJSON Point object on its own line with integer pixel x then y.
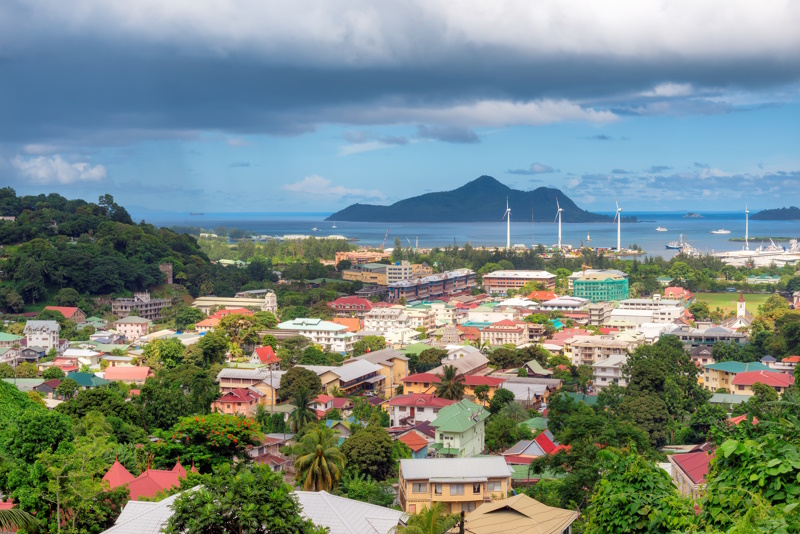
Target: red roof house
{"type": "Point", "coordinates": [743, 382]}
{"type": "Point", "coordinates": [235, 311]}
{"type": "Point", "coordinates": [266, 356]}
{"type": "Point", "coordinates": [416, 443]}
{"type": "Point", "coordinates": [148, 484]}
{"type": "Point", "coordinates": [542, 296]}
{"type": "Point", "coordinates": [128, 374]}
{"type": "Point", "coordinates": [238, 401]}
{"type": "Point", "coordinates": [351, 306]}
{"type": "Point", "coordinates": [352, 324]}
{"type": "Point", "coordinates": [70, 313]}
{"type": "Point", "coordinates": [736, 420]}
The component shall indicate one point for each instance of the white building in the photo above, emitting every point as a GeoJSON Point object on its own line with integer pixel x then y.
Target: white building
{"type": "Point", "coordinates": [501, 281]}
{"type": "Point", "coordinates": [609, 371]}
{"type": "Point", "coordinates": [330, 336]}
{"type": "Point", "coordinates": [42, 334]}
{"type": "Point", "coordinates": [592, 349]}
{"type": "Point", "coordinates": [385, 319]}
{"type": "Point", "coordinates": [647, 304]}
{"type": "Point", "coordinates": [565, 304]}
{"type": "Point", "coordinates": [401, 270]}
{"type": "Point", "coordinates": [635, 317]}
{"type": "Point", "coordinates": [488, 314]}
{"type": "Point", "coordinates": [132, 327]}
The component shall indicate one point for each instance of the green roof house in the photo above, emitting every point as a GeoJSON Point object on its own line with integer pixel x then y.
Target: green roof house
{"type": "Point", "coordinates": [9, 340]}
{"type": "Point", "coordinates": [460, 430]}
{"type": "Point", "coordinates": [87, 380]}
{"type": "Point", "coordinates": [534, 368]}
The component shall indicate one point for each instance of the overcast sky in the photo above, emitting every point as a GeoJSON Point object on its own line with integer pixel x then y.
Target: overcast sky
{"type": "Point", "coordinates": [262, 105]}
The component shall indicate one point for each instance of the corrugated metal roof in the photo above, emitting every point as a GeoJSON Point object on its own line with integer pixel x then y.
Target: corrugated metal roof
{"type": "Point", "coordinates": [346, 516]}
{"type": "Point", "coordinates": [454, 468]}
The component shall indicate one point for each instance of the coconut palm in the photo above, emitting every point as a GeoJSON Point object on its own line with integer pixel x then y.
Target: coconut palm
{"type": "Point", "coordinates": [302, 415]}
{"type": "Point", "coordinates": [14, 519]}
{"type": "Point", "coordinates": [514, 411]}
{"type": "Point", "coordinates": [319, 463]}
{"type": "Point", "coordinates": [431, 520]}
{"type": "Point", "coordinates": [451, 385]}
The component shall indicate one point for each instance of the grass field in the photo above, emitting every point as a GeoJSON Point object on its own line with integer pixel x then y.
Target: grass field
{"type": "Point", "coordinates": [727, 301]}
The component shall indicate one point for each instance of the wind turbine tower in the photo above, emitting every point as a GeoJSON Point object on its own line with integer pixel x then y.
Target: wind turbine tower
{"type": "Point", "coordinates": [559, 209]}
{"type": "Point", "coordinates": [618, 217]}
{"type": "Point", "coordinates": [507, 216]}
{"type": "Point", "coordinates": [746, 228]}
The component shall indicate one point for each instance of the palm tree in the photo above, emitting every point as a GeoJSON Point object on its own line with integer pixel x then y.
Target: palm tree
{"type": "Point", "coordinates": [302, 415]}
{"type": "Point", "coordinates": [336, 391]}
{"type": "Point", "coordinates": [13, 519]}
{"type": "Point", "coordinates": [431, 520]}
{"type": "Point", "coordinates": [514, 411]}
{"type": "Point", "coordinates": [451, 385]}
{"type": "Point", "coordinates": [319, 463]}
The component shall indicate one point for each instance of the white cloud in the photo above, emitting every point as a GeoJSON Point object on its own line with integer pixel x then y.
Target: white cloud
{"type": "Point", "coordinates": [669, 90]}
{"type": "Point", "coordinates": [41, 149]}
{"type": "Point", "coordinates": [57, 170]}
{"type": "Point", "coordinates": [317, 186]}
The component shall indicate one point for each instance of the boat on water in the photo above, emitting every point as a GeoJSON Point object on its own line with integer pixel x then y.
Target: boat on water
{"type": "Point", "coordinates": [588, 237]}
{"type": "Point", "coordinates": [721, 231]}
{"type": "Point", "coordinates": [675, 245]}
{"type": "Point", "coordinates": [334, 224]}
{"type": "Point", "coordinates": [315, 229]}
{"type": "Point", "coordinates": [661, 229]}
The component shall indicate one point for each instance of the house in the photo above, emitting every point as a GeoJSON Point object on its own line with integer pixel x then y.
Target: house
{"type": "Point", "coordinates": [679, 293]}
{"type": "Point", "coordinates": [148, 484]}
{"type": "Point", "coordinates": [340, 515]}
{"type": "Point", "coordinates": [132, 327]}
{"type": "Point", "coordinates": [501, 281]}
{"type": "Point", "coordinates": [460, 430]}
{"type": "Point", "coordinates": [529, 449]}
{"type": "Point", "coordinates": [386, 319]}
{"type": "Point", "coordinates": [541, 296]}
{"type": "Point", "coordinates": [427, 382]}
{"type": "Point", "coordinates": [322, 404]}
{"type": "Point", "coordinates": [350, 307]}
{"type": "Point", "coordinates": [351, 378]}
{"type": "Point", "coordinates": [609, 371]}
{"type": "Point", "coordinates": [461, 484]}
{"type": "Point", "coordinates": [87, 380]}
{"type": "Point", "coordinates": [9, 340]}
{"type": "Point", "coordinates": [42, 334]}
{"type": "Point", "coordinates": [414, 407]}
{"type": "Point", "coordinates": [518, 515]}
{"type": "Point", "coordinates": [727, 399]}
{"type": "Point", "coordinates": [128, 374]}
{"type": "Point", "coordinates": [70, 313]}
{"type": "Point", "coordinates": [206, 325]}
{"type": "Point", "coordinates": [417, 444]}
{"type": "Point", "coordinates": [48, 389]}
{"type": "Point", "coordinates": [719, 375]}
{"type": "Point", "coordinates": [117, 361]}
{"type": "Point", "coordinates": [341, 426]}
{"type": "Point", "coordinates": [466, 362]}
{"type": "Point", "coordinates": [742, 383]}
{"type": "Point", "coordinates": [266, 356]}
{"type": "Point", "coordinates": [702, 356]}
{"type": "Point", "coordinates": [330, 336]}
{"type": "Point", "coordinates": [97, 322]}
{"type": "Point", "coordinates": [238, 401]}
{"type": "Point", "coordinates": [30, 354]}
{"type": "Point", "coordinates": [264, 380]}
{"type": "Point", "coordinates": [689, 472]}
{"type": "Point", "coordinates": [535, 369]}
{"type": "Point", "coordinates": [394, 368]}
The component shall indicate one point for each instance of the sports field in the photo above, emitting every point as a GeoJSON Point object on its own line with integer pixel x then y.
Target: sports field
{"type": "Point", "coordinates": [727, 301]}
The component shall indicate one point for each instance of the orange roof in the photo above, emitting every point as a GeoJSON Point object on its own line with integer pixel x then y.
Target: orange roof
{"type": "Point", "coordinates": [353, 324]}
{"type": "Point", "coordinates": [414, 441]}
{"type": "Point", "coordinates": [211, 322]}
{"type": "Point", "coordinates": [151, 482]}
{"type": "Point", "coordinates": [791, 359]}
{"type": "Point", "coordinates": [117, 475]}
{"type": "Point", "coordinates": [235, 311]}
{"type": "Point", "coordinates": [125, 373]}
{"type": "Point", "coordinates": [542, 295]}
{"type": "Point", "coordinates": [266, 355]}
{"type": "Point", "coordinates": [737, 420]}
{"type": "Point", "coordinates": [66, 311]}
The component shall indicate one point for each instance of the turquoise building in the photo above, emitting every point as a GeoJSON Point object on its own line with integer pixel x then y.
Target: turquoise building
{"type": "Point", "coordinates": [601, 287]}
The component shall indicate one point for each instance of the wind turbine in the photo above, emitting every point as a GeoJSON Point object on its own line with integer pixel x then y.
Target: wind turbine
{"type": "Point", "coordinates": [559, 209]}
{"type": "Point", "coordinates": [746, 228]}
{"type": "Point", "coordinates": [618, 218]}
{"type": "Point", "coordinates": [508, 225]}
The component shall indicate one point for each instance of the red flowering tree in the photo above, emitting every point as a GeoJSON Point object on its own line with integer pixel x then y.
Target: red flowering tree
{"type": "Point", "coordinates": [207, 440]}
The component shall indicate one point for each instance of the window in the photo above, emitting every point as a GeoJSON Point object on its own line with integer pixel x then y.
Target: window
{"type": "Point", "coordinates": [476, 488]}
{"type": "Point", "coordinates": [419, 487]}
{"type": "Point", "coordinates": [456, 489]}
{"type": "Point", "coordinates": [437, 489]}
{"type": "Point", "coordinates": [493, 486]}
{"type": "Point", "coordinates": [468, 506]}
{"type": "Point", "coordinates": [421, 410]}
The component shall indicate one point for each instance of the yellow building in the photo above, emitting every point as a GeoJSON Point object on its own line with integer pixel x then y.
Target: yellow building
{"type": "Point", "coordinates": [720, 375]}
{"type": "Point", "coordinates": [462, 484]}
{"type": "Point", "coordinates": [367, 277]}
{"type": "Point", "coordinates": [394, 368]}
{"type": "Point", "coordinates": [427, 382]}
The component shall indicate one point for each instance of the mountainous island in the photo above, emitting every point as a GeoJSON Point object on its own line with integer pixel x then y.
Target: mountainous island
{"type": "Point", "coordinates": [778, 214]}
{"type": "Point", "coordinates": [481, 200]}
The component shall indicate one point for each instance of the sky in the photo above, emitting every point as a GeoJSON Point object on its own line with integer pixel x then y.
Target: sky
{"type": "Point", "coordinates": [312, 105]}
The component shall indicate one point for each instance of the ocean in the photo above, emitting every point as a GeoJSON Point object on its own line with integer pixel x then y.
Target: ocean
{"type": "Point", "coordinates": [695, 230]}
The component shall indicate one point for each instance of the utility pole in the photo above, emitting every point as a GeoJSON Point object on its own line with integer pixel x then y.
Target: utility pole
{"type": "Point", "coordinates": [461, 525]}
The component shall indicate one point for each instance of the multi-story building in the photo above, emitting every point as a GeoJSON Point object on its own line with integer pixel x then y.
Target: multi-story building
{"type": "Point", "coordinates": [461, 484]}
{"type": "Point", "coordinates": [427, 383]}
{"type": "Point", "coordinates": [566, 303]}
{"type": "Point", "coordinates": [697, 337]}
{"type": "Point", "coordinates": [368, 276]}
{"type": "Point", "coordinates": [9, 340]}
{"type": "Point", "coordinates": [361, 256]}
{"type": "Point", "coordinates": [361, 375]}
{"type": "Point", "coordinates": [268, 303]}
{"type": "Point", "coordinates": [133, 327]}
{"type": "Point", "coordinates": [689, 472]}
{"type": "Point", "coordinates": [506, 331]}
{"type": "Point", "coordinates": [501, 281]}
{"type": "Point", "coordinates": [721, 375]}
{"type": "Point", "coordinates": [435, 285]}
{"type": "Point", "coordinates": [600, 312]}
{"type": "Point", "coordinates": [147, 307]}
{"type": "Point", "coordinates": [578, 274]}
{"type": "Point", "coordinates": [401, 270]}
{"type": "Point", "coordinates": [591, 349]}
{"type": "Point", "coordinates": [415, 408]}
{"type": "Point", "coordinates": [601, 286]}
{"type": "Point", "coordinates": [743, 383]}
{"type": "Point", "coordinates": [330, 336]}
{"type": "Point", "coordinates": [70, 313]}
{"type": "Point", "coordinates": [385, 319]}
{"type": "Point", "coordinates": [466, 361]}
{"type": "Point", "coordinates": [350, 307]}
{"type": "Point", "coordinates": [421, 318]}
{"type": "Point", "coordinates": [264, 380]}
{"type": "Point", "coordinates": [43, 334]}
{"type": "Point", "coordinates": [394, 368]}
{"type": "Point", "coordinates": [241, 401]}
{"type": "Point", "coordinates": [491, 314]}
{"type": "Point", "coordinates": [609, 371]}
{"type": "Point", "coordinates": [648, 304]}
{"type": "Point", "coordinates": [460, 430]}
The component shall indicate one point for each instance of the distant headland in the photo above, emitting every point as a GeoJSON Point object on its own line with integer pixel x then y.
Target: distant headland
{"type": "Point", "coordinates": [778, 214]}
{"type": "Point", "coordinates": [481, 200]}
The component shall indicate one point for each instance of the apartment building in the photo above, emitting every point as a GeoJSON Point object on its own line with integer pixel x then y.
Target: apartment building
{"type": "Point", "coordinates": [350, 307]}
{"type": "Point", "coordinates": [401, 270]}
{"type": "Point", "coordinates": [648, 304]}
{"type": "Point", "coordinates": [461, 484]}
{"type": "Point", "coordinates": [421, 318]}
{"type": "Point", "coordinates": [592, 349]}
{"type": "Point", "coordinates": [361, 256]}
{"type": "Point", "coordinates": [374, 276]}
{"type": "Point", "coordinates": [600, 313]}
{"type": "Point", "coordinates": [354, 377]}
{"type": "Point", "coordinates": [264, 380]}
{"type": "Point", "coordinates": [427, 382]}
{"type": "Point", "coordinates": [506, 331]}
{"type": "Point", "coordinates": [707, 336]}
{"type": "Point", "coordinates": [145, 306]}
{"type": "Point", "coordinates": [330, 336]}
{"type": "Point", "coordinates": [415, 408]}
{"type": "Point", "coordinates": [385, 319]}
{"type": "Point", "coordinates": [435, 285]}
{"type": "Point", "coordinates": [609, 371]}
{"type": "Point", "coordinates": [394, 368]}
{"type": "Point", "coordinates": [132, 327]}
{"type": "Point", "coordinates": [43, 334]}
{"type": "Point", "coordinates": [721, 375]}
{"type": "Point", "coordinates": [501, 281]}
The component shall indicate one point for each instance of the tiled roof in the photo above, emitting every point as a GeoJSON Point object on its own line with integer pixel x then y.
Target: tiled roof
{"type": "Point", "coordinates": [240, 395]}
{"type": "Point", "coordinates": [737, 420]}
{"type": "Point", "coordinates": [768, 378]}
{"type": "Point", "coordinates": [66, 311]}
{"type": "Point", "coordinates": [414, 441]}
{"type": "Point", "coordinates": [353, 324]}
{"type": "Point", "coordinates": [420, 399]}
{"type": "Point", "coordinates": [694, 464]}
{"type": "Point", "coordinates": [211, 322]}
{"type": "Point", "coordinates": [455, 468]}
{"type": "Point", "coordinates": [266, 355]}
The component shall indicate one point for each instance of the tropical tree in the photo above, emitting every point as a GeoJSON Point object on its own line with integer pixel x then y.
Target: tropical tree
{"type": "Point", "coordinates": [302, 415]}
{"type": "Point", "coordinates": [451, 385]}
{"type": "Point", "coordinates": [14, 519]}
{"type": "Point", "coordinates": [482, 393]}
{"type": "Point", "coordinates": [319, 463]}
{"type": "Point", "coordinates": [514, 411]}
{"type": "Point", "coordinates": [431, 520]}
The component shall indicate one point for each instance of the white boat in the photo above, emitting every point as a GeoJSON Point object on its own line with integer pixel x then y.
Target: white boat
{"type": "Point", "coordinates": [588, 237]}
{"type": "Point", "coordinates": [315, 229]}
{"type": "Point", "coordinates": [721, 231]}
{"type": "Point", "coordinates": [334, 224]}
{"type": "Point", "coordinates": [661, 229]}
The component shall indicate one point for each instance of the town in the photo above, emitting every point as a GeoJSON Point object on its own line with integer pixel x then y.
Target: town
{"type": "Point", "coordinates": [147, 386]}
